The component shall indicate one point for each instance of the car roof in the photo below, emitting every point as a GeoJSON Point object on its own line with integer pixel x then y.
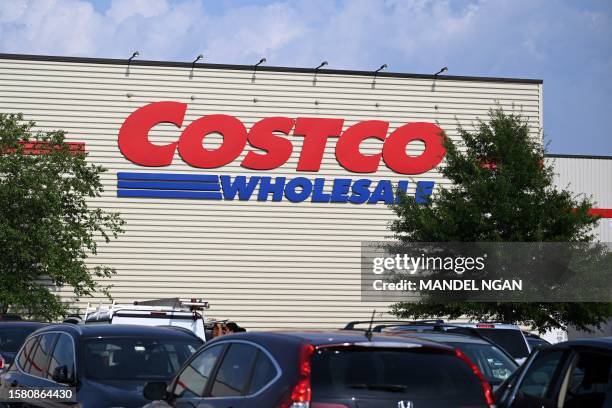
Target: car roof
{"type": "Point", "coordinates": [320, 338]}
{"type": "Point", "coordinates": [486, 325]}
{"type": "Point", "coordinates": [600, 342]}
{"type": "Point", "coordinates": [22, 323]}
{"type": "Point", "coordinates": [116, 330]}
{"type": "Point", "coordinates": [442, 337]}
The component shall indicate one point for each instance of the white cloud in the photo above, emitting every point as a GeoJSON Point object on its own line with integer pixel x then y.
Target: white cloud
{"type": "Point", "coordinates": [565, 43]}
{"type": "Point", "coordinates": [13, 10]}
{"type": "Point", "coordinates": [121, 9]}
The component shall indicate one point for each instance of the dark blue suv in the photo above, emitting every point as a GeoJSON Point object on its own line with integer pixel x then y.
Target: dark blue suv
{"type": "Point", "coordinates": [12, 336]}
{"type": "Point", "coordinates": [331, 369]}
{"type": "Point", "coordinates": [105, 365]}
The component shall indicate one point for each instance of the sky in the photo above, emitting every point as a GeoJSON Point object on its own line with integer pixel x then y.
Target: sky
{"type": "Point", "coordinates": [567, 44]}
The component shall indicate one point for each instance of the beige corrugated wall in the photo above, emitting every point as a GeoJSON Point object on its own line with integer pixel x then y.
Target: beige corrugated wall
{"type": "Point", "coordinates": [264, 264]}
{"type": "Point", "coordinates": [589, 177]}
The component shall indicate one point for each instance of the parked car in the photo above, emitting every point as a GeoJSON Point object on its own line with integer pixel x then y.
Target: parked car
{"type": "Point", "coordinates": [571, 374]}
{"type": "Point", "coordinates": [493, 362]}
{"type": "Point", "coordinates": [323, 369]}
{"type": "Point", "coordinates": [506, 336]}
{"type": "Point", "coordinates": [107, 364]}
{"type": "Point", "coordinates": [12, 335]}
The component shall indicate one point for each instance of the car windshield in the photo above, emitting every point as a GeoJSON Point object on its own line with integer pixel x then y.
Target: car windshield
{"type": "Point", "coordinates": [12, 338]}
{"type": "Point", "coordinates": [510, 340]}
{"type": "Point", "coordinates": [140, 358]}
{"type": "Point", "coordinates": [414, 374]}
{"type": "Point", "coordinates": [493, 363]}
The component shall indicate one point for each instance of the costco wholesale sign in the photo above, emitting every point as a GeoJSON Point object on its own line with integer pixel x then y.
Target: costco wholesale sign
{"type": "Point", "coordinates": [135, 145]}
{"type": "Point", "coordinates": [253, 189]}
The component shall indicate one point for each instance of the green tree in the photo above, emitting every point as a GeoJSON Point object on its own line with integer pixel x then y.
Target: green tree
{"type": "Point", "coordinates": [47, 229]}
{"type": "Point", "coordinates": [501, 191]}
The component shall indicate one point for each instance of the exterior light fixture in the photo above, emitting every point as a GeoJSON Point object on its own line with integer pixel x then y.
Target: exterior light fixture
{"type": "Point", "coordinates": [383, 66]}
{"type": "Point", "coordinates": [444, 69]}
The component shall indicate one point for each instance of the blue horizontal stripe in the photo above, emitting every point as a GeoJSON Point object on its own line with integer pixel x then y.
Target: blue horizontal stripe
{"type": "Point", "coordinates": [168, 177]}
{"type": "Point", "coordinates": [200, 195]}
{"type": "Point", "coordinates": [169, 185]}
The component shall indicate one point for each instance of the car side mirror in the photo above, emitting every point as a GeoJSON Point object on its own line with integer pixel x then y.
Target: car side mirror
{"type": "Point", "coordinates": [61, 376]}
{"type": "Point", "coordinates": [155, 390]}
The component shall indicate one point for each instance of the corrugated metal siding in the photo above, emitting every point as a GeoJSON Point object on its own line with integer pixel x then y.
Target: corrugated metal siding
{"type": "Point", "coordinates": [590, 177]}
{"type": "Point", "coordinates": [266, 265]}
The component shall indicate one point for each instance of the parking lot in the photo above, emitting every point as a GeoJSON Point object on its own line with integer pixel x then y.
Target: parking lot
{"type": "Point", "coordinates": [165, 353]}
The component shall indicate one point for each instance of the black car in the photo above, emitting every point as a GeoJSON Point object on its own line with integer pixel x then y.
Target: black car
{"type": "Point", "coordinates": [107, 365]}
{"type": "Point", "coordinates": [12, 335]}
{"type": "Point", "coordinates": [334, 369]}
{"type": "Point", "coordinates": [506, 336]}
{"type": "Point", "coordinates": [493, 362]}
{"type": "Point", "coordinates": [572, 374]}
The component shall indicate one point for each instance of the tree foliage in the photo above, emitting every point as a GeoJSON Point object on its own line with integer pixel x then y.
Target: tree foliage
{"type": "Point", "coordinates": [47, 228]}
{"type": "Point", "coordinates": [502, 191]}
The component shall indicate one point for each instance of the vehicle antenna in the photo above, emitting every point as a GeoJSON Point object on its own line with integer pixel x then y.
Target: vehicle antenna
{"type": "Point", "coordinates": [368, 332]}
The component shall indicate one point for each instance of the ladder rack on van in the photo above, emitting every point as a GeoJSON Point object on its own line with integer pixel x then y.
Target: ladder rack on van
{"type": "Point", "coordinates": [105, 312]}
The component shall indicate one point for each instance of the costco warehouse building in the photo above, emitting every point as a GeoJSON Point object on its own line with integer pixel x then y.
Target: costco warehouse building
{"type": "Point", "coordinates": [267, 230]}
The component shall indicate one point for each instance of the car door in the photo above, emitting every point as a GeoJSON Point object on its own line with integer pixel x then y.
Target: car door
{"type": "Point", "coordinates": [12, 378]}
{"type": "Point", "coordinates": [588, 382]}
{"type": "Point", "coordinates": [33, 369]}
{"type": "Point", "coordinates": [537, 386]}
{"type": "Point", "coordinates": [193, 380]}
{"type": "Point", "coordinates": [227, 375]}
{"type": "Point", "coordinates": [63, 362]}
{"type": "Point", "coordinates": [231, 379]}
{"type": "Point", "coordinates": [261, 390]}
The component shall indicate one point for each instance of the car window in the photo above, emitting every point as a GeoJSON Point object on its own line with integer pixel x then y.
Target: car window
{"type": "Point", "coordinates": [234, 371]}
{"type": "Point", "coordinates": [192, 381]}
{"type": "Point", "coordinates": [540, 374]}
{"type": "Point", "coordinates": [26, 352]}
{"type": "Point", "coordinates": [492, 362]}
{"type": "Point", "coordinates": [590, 382]}
{"type": "Point", "coordinates": [263, 373]}
{"type": "Point", "coordinates": [135, 358]}
{"type": "Point", "coordinates": [63, 355]}
{"type": "Point", "coordinates": [11, 338]}
{"type": "Point", "coordinates": [513, 341]}
{"type": "Point", "coordinates": [382, 373]}
{"type": "Point", "coordinates": [40, 357]}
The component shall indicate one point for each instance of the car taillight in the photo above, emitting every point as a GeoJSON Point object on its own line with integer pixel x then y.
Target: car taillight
{"type": "Point", "coordinates": [1, 363]}
{"type": "Point", "coordinates": [301, 392]}
{"type": "Point", "coordinates": [486, 387]}
{"type": "Point", "coordinates": [485, 326]}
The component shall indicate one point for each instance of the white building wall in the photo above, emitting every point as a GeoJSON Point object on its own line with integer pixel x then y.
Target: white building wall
{"type": "Point", "coordinates": [591, 177]}
{"type": "Point", "coordinates": [266, 265]}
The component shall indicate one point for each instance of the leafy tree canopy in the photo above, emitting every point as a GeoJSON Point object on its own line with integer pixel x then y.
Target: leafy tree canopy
{"type": "Point", "coordinates": [47, 229]}
{"type": "Point", "coordinates": [502, 191]}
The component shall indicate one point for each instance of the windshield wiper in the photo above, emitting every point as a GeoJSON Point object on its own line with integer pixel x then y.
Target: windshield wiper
{"type": "Point", "coordinates": [380, 387]}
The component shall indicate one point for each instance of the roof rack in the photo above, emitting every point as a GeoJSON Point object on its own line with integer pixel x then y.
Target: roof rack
{"type": "Point", "coordinates": [351, 325]}
{"type": "Point", "coordinates": [437, 325]}
{"type": "Point", "coordinates": [176, 303]}
{"type": "Point", "coordinates": [166, 305]}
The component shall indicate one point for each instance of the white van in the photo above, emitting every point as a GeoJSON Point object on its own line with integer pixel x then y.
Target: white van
{"type": "Point", "coordinates": [185, 314]}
